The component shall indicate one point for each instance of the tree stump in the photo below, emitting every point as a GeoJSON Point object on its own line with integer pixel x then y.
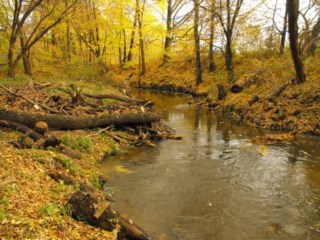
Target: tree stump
{"type": "Point", "coordinates": [89, 208]}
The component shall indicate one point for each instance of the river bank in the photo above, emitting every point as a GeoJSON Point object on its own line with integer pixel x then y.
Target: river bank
{"type": "Point", "coordinates": [257, 103]}
{"type": "Point", "coordinates": [37, 182]}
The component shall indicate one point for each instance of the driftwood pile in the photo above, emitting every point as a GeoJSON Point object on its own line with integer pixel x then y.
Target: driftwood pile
{"type": "Point", "coordinates": [32, 110]}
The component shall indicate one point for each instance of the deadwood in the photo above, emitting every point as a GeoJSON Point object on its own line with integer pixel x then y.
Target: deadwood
{"type": "Point", "coordinates": [68, 122]}
{"type": "Point", "coordinates": [28, 100]}
{"type": "Point", "coordinates": [98, 212]}
{"type": "Point", "coordinates": [116, 97]}
{"type": "Point", "coordinates": [21, 128]}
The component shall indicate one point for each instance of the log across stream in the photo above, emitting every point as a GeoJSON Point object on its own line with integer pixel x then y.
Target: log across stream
{"type": "Point", "coordinates": [215, 184]}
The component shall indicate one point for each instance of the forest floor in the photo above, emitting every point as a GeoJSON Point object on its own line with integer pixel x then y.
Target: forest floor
{"type": "Point", "coordinates": [33, 202]}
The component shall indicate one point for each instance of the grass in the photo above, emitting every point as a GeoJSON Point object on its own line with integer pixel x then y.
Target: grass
{"type": "Point", "coordinates": [81, 143]}
{"type": "Point", "coordinates": [50, 209]}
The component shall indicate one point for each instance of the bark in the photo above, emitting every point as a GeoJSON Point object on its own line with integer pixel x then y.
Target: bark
{"type": "Point", "coordinates": [41, 141]}
{"type": "Point", "coordinates": [97, 212]}
{"type": "Point", "coordinates": [25, 55]}
{"type": "Point", "coordinates": [68, 38]}
{"type": "Point", "coordinates": [222, 93]}
{"type": "Point", "coordinates": [67, 122]}
{"type": "Point", "coordinates": [141, 41]}
{"type": "Point", "coordinates": [229, 58]}
{"type": "Point", "coordinates": [21, 128]}
{"type": "Point", "coordinates": [132, 37]}
{"type": "Point", "coordinates": [168, 39]}
{"type": "Point", "coordinates": [124, 46]}
{"type": "Point", "coordinates": [284, 32]}
{"type": "Point", "coordinates": [116, 97]}
{"type": "Point", "coordinates": [293, 12]}
{"type": "Point", "coordinates": [278, 91]}
{"type": "Point", "coordinates": [197, 42]}
{"type": "Point", "coordinates": [212, 65]}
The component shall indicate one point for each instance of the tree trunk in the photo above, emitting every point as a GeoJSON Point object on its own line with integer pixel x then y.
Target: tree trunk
{"type": "Point", "coordinates": [212, 65]}
{"type": "Point", "coordinates": [11, 65]}
{"type": "Point", "coordinates": [168, 39]}
{"type": "Point", "coordinates": [284, 32]}
{"type": "Point", "coordinates": [64, 122]}
{"type": "Point", "coordinates": [25, 55]}
{"type": "Point", "coordinates": [141, 41]}
{"type": "Point", "coordinates": [133, 33]}
{"type": "Point", "coordinates": [197, 42]}
{"type": "Point", "coordinates": [86, 205]}
{"type": "Point", "coordinates": [68, 45]}
{"type": "Point", "coordinates": [311, 50]}
{"type": "Point", "coordinates": [293, 12]}
{"type": "Point", "coordinates": [124, 46]}
{"type": "Point", "coordinates": [68, 38]}
{"type": "Point", "coordinates": [229, 58]}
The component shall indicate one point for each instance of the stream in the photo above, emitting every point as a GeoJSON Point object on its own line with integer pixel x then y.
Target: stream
{"type": "Point", "coordinates": [215, 184]}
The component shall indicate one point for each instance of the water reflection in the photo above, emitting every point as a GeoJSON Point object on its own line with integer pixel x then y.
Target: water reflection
{"type": "Point", "coordinates": [215, 185]}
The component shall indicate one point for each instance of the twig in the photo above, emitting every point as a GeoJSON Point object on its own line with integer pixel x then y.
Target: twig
{"type": "Point", "coordinates": [28, 100]}
{"type": "Point", "coordinates": [7, 181]}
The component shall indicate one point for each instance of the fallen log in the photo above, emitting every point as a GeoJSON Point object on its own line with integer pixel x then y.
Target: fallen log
{"type": "Point", "coordinates": [116, 97]}
{"type": "Point", "coordinates": [85, 206]}
{"type": "Point", "coordinates": [278, 91]}
{"type": "Point", "coordinates": [247, 81]}
{"type": "Point", "coordinates": [40, 140]}
{"type": "Point", "coordinates": [68, 122]}
{"type": "Point", "coordinates": [98, 212]}
{"type": "Point", "coordinates": [21, 128]}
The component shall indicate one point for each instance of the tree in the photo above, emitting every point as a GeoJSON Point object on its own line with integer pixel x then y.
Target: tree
{"type": "Point", "coordinates": [174, 20]}
{"type": "Point", "coordinates": [142, 57]}
{"type": "Point", "coordinates": [212, 65]}
{"type": "Point", "coordinates": [196, 36]}
{"type": "Point", "coordinates": [293, 13]}
{"type": "Point", "coordinates": [231, 10]}
{"type": "Point", "coordinates": [284, 32]}
{"type": "Point", "coordinates": [44, 16]}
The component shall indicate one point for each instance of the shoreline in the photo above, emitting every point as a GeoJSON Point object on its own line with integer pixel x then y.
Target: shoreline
{"type": "Point", "coordinates": [268, 114]}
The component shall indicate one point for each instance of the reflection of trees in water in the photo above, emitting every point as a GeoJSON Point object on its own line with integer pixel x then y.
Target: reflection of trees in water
{"type": "Point", "coordinates": [223, 127]}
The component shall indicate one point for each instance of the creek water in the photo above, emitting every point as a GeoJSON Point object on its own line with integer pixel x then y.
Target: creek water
{"type": "Point", "coordinates": [215, 184]}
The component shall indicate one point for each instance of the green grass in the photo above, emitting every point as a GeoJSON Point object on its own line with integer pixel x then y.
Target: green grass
{"type": "Point", "coordinates": [50, 209]}
{"type": "Point", "coordinates": [80, 143]}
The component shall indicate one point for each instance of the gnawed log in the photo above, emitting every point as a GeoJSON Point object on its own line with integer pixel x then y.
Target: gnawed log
{"type": "Point", "coordinates": [21, 128]}
{"type": "Point", "coordinates": [131, 230]}
{"type": "Point", "coordinates": [68, 122]}
{"type": "Point", "coordinates": [88, 207]}
{"type": "Point", "coordinates": [83, 206]}
{"type": "Point", "coordinates": [40, 140]}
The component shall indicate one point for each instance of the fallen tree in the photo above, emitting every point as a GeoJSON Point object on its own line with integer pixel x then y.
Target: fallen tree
{"type": "Point", "coordinates": [98, 212]}
{"type": "Point", "coordinates": [68, 122]}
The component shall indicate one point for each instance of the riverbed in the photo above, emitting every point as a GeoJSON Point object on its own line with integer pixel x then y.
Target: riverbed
{"type": "Point", "coordinates": [215, 184]}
